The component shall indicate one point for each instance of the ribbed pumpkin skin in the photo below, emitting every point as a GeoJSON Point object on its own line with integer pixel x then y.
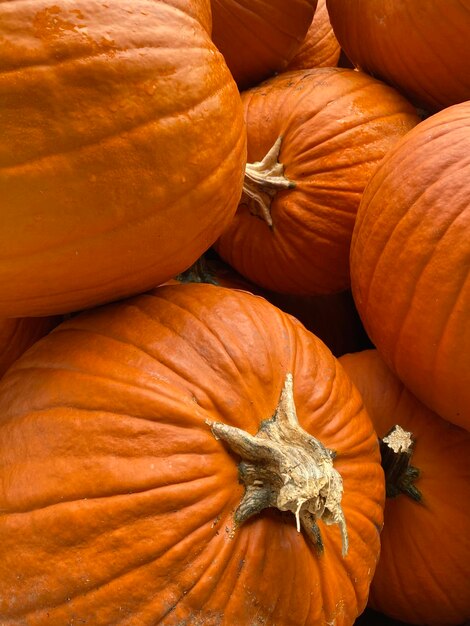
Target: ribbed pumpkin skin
{"type": "Point", "coordinates": [424, 567]}
{"type": "Point", "coordinates": [410, 262]}
{"type": "Point", "coordinates": [320, 47]}
{"type": "Point", "coordinates": [259, 37]}
{"type": "Point", "coordinates": [336, 126]}
{"type": "Point", "coordinates": [122, 149]}
{"type": "Point", "coordinates": [333, 318]}
{"type": "Point", "coordinates": [18, 334]}
{"type": "Point", "coordinates": [117, 500]}
{"type": "Point", "coordinates": [420, 47]}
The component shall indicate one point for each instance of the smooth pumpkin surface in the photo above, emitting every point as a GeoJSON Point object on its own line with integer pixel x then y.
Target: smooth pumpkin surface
{"type": "Point", "coordinates": [259, 37]}
{"type": "Point", "coordinates": [122, 149]}
{"type": "Point", "coordinates": [18, 334]}
{"type": "Point", "coordinates": [334, 127]}
{"type": "Point", "coordinates": [421, 47]}
{"type": "Point", "coordinates": [410, 261]}
{"type": "Point", "coordinates": [424, 567]}
{"type": "Point", "coordinates": [118, 501]}
{"type": "Point", "coordinates": [320, 48]}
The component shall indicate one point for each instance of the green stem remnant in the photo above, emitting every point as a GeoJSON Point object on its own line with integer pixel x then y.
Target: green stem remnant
{"type": "Point", "coordinates": [198, 272]}
{"type": "Point", "coordinates": [263, 179]}
{"type": "Point", "coordinates": [396, 449]}
{"type": "Point", "coordinates": [283, 466]}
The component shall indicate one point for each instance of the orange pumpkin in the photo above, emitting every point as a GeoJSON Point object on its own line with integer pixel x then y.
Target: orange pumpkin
{"type": "Point", "coordinates": [320, 47]}
{"type": "Point", "coordinates": [17, 335]}
{"type": "Point", "coordinates": [420, 47]}
{"type": "Point", "coordinates": [122, 149]}
{"type": "Point", "coordinates": [259, 37]}
{"type": "Point", "coordinates": [424, 567]}
{"type": "Point", "coordinates": [410, 261]}
{"type": "Point", "coordinates": [314, 139]}
{"type": "Point", "coordinates": [130, 439]}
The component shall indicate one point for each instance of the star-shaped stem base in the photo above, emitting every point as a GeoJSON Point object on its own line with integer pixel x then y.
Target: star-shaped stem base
{"type": "Point", "coordinates": [285, 467]}
{"type": "Point", "coordinates": [396, 449]}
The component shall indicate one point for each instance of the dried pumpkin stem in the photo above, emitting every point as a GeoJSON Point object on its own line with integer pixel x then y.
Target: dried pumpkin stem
{"type": "Point", "coordinates": [263, 179]}
{"type": "Point", "coordinates": [396, 449]}
{"type": "Point", "coordinates": [285, 467]}
{"type": "Point", "coordinates": [198, 272]}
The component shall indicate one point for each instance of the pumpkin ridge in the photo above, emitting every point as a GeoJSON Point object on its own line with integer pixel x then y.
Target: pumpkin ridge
{"type": "Point", "coordinates": [334, 137]}
{"type": "Point", "coordinates": [417, 217]}
{"type": "Point", "coordinates": [424, 554]}
{"type": "Point", "coordinates": [334, 168]}
{"type": "Point", "coordinates": [227, 554]}
{"type": "Point", "coordinates": [111, 414]}
{"type": "Point", "coordinates": [92, 56]}
{"type": "Point", "coordinates": [416, 280]}
{"type": "Point", "coordinates": [197, 320]}
{"type": "Point", "coordinates": [109, 495]}
{"type": "Point", "coordinates": [116, 228]}
{"type": "Point", "coordinates": [132, 343]}
{"type": "Point", "coordinates": [114, 577]}
{"type": "Point", "coordinates": [122, 132]}
{"type": "Point", "coordinates": [448, 318]}
{"type": "Point", "coordinates": [245, 23]}
{"type": "Point", "coordinates": [155, 296]}
{"type": "Point", "coordinates": [419, 192]}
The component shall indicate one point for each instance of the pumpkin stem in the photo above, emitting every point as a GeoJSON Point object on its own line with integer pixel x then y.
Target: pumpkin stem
{"type": "Point", "coordinates": [198, 272]}
{"type": "Point", "coordinates": [263, 179]}
{"type": "Point", "coordinates": [285, 467]}
{"type": "Point", "coordinates": [396, 449]}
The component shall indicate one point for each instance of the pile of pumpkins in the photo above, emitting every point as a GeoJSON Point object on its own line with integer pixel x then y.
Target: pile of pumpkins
{"type": "Point", "coordinates": [234, 312]}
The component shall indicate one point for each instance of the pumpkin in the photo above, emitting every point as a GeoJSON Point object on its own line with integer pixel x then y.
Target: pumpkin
{"type": "Point", "coordinates": [314, 139]}
{"type": "Point", "coordinates": [419, 47]}
{"type": "Point", "coordinates": [132, 490]}
{"type": "Point", "coordinates": [18, 334]}
{"type": "Point", "coordinates": [122, 149]}
{"type": "Point", "coordinates": [279, 28]}
{"type": "Point", "coordinates": [424, 567]}
{"type": "Point", "coordinates": [410, 262]}
{"type": "Point", "coordinates": [320, 47]}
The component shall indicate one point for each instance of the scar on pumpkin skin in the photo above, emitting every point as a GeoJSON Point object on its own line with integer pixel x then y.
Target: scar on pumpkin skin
{"type": "Point", "coordinates": [263, 179]}
{"type": "Point", "coordinates": [285, 467]}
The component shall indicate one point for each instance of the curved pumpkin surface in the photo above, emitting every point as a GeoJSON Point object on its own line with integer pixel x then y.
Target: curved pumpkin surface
{"type": "Point", "coordinates": [333, 318]}
{"type": "Point", "coordinates": [424, 567]}
{"type": "Point", "coordinates": [18, 334]}
{"type": "Point", "coordinates": [320, 47]}
{"type": "Point", "coordinates": [122, 149]}
{"type": "Point", "coordinates": [334, 127]}
{"type": "Point", "coordinates": [259, 37]}
{"type": "Point", "coordinates": [420, 47]}
{"type": "Point", "coordinates": [117, 499]}
{"type": "Point", "coordinates": [410, 262]}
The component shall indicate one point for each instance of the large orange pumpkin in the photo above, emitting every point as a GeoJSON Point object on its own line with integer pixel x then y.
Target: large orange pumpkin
{"type": "Point", "coordinates": [122, 437]}
{"type": "Point", "coordinates": [122, 148]}
{"type": "Point", "coordinates": [410, 262]}
{"type": "Point", "coordinates": [424, 568]}
{"type": "Point", "coordinates": [259, 37]}
{"type": "Point", "coordinates": [314, 139]}
{"type": "Point", "coordinates": [420, 46]}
